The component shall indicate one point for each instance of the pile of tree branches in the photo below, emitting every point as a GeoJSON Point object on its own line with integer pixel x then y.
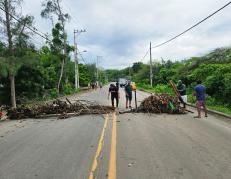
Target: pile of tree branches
{"type": "Point", "coordinates": [58, 108]}
{"type": "Point", "coordinates": [161, 103]}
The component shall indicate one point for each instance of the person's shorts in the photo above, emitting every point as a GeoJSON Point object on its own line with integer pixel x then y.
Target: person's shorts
{"type": "Point", "coordinates": [185, 98]}
{"type": "Point", "coordinates": [200, 102]}
{"type": "Point", "coordinates": [129, 97]}
{"type": "Point", "coordinates": [114, 95]}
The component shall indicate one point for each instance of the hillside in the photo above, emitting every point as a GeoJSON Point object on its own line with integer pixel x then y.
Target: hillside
{"type": "Point", "coordinates": [214, 69]}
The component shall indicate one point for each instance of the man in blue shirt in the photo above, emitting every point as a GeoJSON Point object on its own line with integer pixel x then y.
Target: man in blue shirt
{"type": "Point", "coordinates": [199, 92]}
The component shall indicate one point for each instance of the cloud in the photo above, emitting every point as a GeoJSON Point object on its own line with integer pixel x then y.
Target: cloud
{"type": "Point", "coordinates": [120, 31]}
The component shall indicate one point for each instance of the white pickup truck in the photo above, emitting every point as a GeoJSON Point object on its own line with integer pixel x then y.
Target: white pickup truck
{"type": "Point", "coordinates": [122, 82]}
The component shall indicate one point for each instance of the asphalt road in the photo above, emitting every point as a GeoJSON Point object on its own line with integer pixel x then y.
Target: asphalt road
{"type": "Point", "coordinates": [122, 146]}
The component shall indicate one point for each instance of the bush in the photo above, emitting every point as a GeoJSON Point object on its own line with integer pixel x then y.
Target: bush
{"type": "Point", "coordinates": [160, 88]}
{"type": "Point", "coordinates": [54, 93]}
{"type": "Point", "coordinates": [68, 89]}
{"type": "Point", "coordinates": [144, 86]}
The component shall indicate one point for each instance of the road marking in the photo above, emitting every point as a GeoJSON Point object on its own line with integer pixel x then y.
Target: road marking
{"type": "Point", "coordinates": [112, 162]}
{"type": "Point", "coordinates": [99, 149]}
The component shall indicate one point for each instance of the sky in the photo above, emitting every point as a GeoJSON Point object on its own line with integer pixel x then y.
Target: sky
{"type": "Point", "coordinates": [120, 31]}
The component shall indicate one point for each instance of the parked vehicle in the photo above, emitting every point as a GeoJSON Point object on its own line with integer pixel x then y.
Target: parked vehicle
{"type": "Point", "coordinates": [122, 82]}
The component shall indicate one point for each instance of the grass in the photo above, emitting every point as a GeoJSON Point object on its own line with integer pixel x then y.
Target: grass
{"type": "Point", "coordinates": [222, 109]}
{"type": "Point", "coordinates": [157, 89]}
{"type": "Point", "coordinates": [213, 105]}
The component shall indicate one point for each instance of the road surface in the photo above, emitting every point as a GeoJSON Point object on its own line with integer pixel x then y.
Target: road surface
{"type": "Point", "coordinates": [127, 146]}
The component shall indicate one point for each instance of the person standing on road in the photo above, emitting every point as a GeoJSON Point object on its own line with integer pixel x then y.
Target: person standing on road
{"type": "Point", "coordinates": [114, 91]}
{"type": "Point", "coordinates": [182, 90]}
{"type": "Point", "coordinates": [128, 93]}
{"type": "Point", "coordinates": [117, 85]}
{"type": "Point", "coordinates": [199, 92]}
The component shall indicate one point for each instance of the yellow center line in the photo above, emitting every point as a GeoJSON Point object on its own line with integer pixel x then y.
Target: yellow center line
{"type": "Point", "coordinates": [112, 162]}
{"type": "Point", "coordinates": [99, 149]}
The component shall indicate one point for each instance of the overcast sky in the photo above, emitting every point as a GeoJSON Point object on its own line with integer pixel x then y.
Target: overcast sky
{"type": "Point", "coordinates": [120, 31]}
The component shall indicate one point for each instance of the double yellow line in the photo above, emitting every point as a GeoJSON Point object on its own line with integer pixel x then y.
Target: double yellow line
{"type": "Point", "coordinates": [112, 161]}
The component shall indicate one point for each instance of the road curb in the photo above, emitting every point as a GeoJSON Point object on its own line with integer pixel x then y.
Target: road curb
{"type": "Point", "coordinates": [212, 111]}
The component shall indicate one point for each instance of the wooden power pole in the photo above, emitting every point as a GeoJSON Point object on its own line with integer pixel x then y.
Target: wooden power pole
{"type": "Point", "coordinates": [76, 58]}
{"type": "Point", "coordinates": [76, 63]}
{"type": "Point", "coordinates": [151, 75]}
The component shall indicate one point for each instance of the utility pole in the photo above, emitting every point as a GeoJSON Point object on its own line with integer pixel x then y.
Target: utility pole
{"type": "Point", "coordinates": [97, 69]}
{"type": "Point", "coordinates": [105, 77]}
{"type": "Point", "coordinates": [76, 59]}
{"type": "Point", "coordinates": [151, 75]}
{"type": "Point", "coordinates": [130, 76]}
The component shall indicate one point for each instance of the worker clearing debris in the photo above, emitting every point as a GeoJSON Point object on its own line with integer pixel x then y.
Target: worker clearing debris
{"type": "Point", "coordinates": [164, 103]}
{"type": "Point", "coordinates": [199, 92]}
{"type": "Point", "coordinates": [114, 92]}
{"type": "Point", "coordinates": [182, 91]}
{"type": "Point", "coordinates": [128, 94]}
{"type": "Point", "coordinates": [161, 103]}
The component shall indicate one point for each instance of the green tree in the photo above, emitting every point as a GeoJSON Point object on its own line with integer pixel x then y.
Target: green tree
{"type": "Point", "coordinates": [52, 7]}
{"type": "Point", "coordinates": [17, 38]}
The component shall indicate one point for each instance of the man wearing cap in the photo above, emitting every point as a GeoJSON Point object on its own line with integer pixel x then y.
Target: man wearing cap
{"type": "Point", "coordinates": [128, 93]}
{"type": "Point", "coordinates": [182, 90]}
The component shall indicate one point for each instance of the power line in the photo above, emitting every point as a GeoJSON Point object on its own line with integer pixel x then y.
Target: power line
{"type": "Point", "coordinates": [190, 28]}
{"type": "Point", "coordinates": [33, 29]}
{"type": "Point", "coordinates": [81, 56]}
{"type": "Point", "coordinates": [69, 9]}
{"type": "Point", "coordinates": [37, 42]}
{"type": "Point", "coordinates": [144, 55]}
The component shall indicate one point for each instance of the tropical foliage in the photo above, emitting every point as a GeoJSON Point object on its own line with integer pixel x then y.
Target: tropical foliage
{"type": "Point", "coordinates": [214, 69]}
{"type": "Point", "coordinates": [31, 73]}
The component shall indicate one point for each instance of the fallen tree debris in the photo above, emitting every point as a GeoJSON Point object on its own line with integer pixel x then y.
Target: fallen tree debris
{"type": "Point", "coordinates": [161, 103]}
{"type": "Point", "coordinates": [60, 109]}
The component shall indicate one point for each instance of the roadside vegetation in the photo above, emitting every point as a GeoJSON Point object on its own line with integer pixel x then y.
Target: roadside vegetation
{"type": "Point", "coordinates": [214, 69]}
{"type": "Point", "coordinates": [32, 71]}
{"type": "Point", "coordinates": [29, 71]}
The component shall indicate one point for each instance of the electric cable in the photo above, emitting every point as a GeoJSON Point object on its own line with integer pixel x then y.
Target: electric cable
{"type": "Point", "coordinates": [190, 28]}
{"type": "Point", "coordinates": [33, 29]}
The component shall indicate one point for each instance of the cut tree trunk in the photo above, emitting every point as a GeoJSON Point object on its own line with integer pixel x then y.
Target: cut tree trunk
{"type": "Point", "coordinates": [12, 91]}
{"type": "Point", "coordinates": [64, 44]}
{"type": "Point", "coordinates": [7, 7]}
{"type": "Point", "coordinates": [7, 23]}
{"type": "Point", "coordinates": [61, 75]}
